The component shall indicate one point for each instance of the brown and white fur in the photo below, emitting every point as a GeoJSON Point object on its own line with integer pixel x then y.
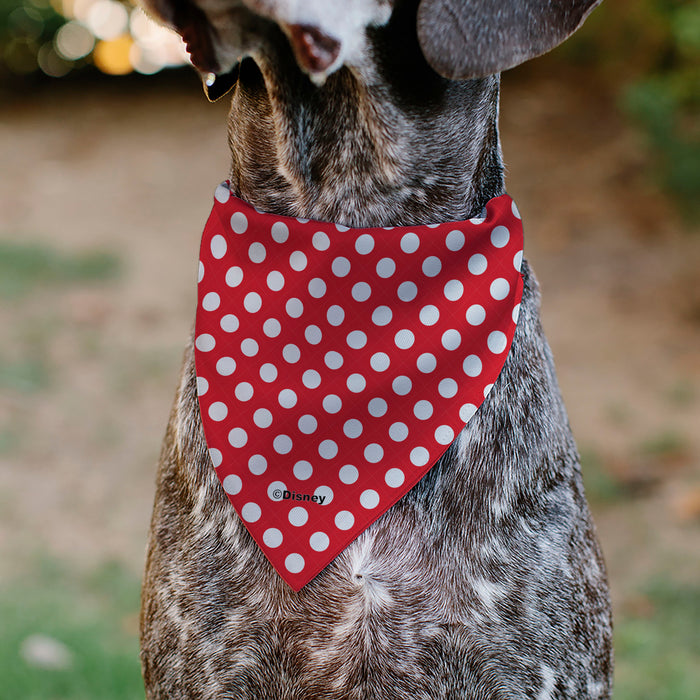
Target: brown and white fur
{"type": "Point", "coordinates": [486, 580]}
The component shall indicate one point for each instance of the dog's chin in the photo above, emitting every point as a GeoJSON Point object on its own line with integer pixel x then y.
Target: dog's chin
{"type": "Point", "coordinates": [216, 86]}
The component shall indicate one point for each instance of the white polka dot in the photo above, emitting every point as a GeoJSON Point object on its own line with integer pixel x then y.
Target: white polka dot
{"type": "Point", "coordinates": [451, 339]}
{"type": "Point", "coordinates": [333, 360]}
{"type": "Point", "coordinates": [320, 241]}
{"type": "Point", "coordinates": [431, 266]}
{"type": "Point", "coordinates": [344, 520]}
{"type": "Point", "coordinates": [232, 484]}
{"type": "Point", "coordinates": [200, 272]}
{"type": "Point", "coordinates": [454, 290]}
{"type": "Point", "coordinates": [325, 493]}
{"type": "Point", "coordinates": [234, 276]}
{"type": "Point", "coordinates": [218, 246]}
{"type": "Point", "coordinates": [518, 260]}
{"type": "Point", "coordinates": [335, 315]}
{"type": "Point", "coordinates": [386, 267]}
{"type": "Point", "coordinates": [407, 291]}
{"type": "Point", "coordinates": [423, 409]}
{"type": "Point", "coordinates": [467, 411]}
{"type": "Point", "coordinates": [287, 398]}
{"type": "Point", "coordinates": [477, 220]}
{"type": "Point", "coordinates": [272, 537]}
{"type": "Point", "coordinates": [500, 237]}
{"type": "Point", "coordinates": [472, 366]}
{"type": "Point", "coordinates": [419, 456]}
{"type": "Point", "coordinates": [251, 512]}
{"type": "Point", "coordinates": [352, 428]}
{"type": "Point", "coordinates": [294, 307]}
{"type": "Point", "coordinates": [379, 362]}
{"type": "Point", "coordinates": [222, 193]}
{"type": "Point", "coordinates": [426, 362]}
{"type": "Point", "coordinates": [369, 499]}
{"type": "Point", "coordinates": [332, 403]}
{"type": "Point", "coordinates": [410, 243]}
{"type": "Point", "coordinates": [364, 244]}
{"type": "Point", "coordinates": [205, 342]}
{"type": "Point", "coordinates": [402, 385]}
{"type": "Point", "coordinates": [374, 453]}
{"type": "Point", "coordinates": [218, 411]}
{"type": "Point", "coordinates": [279, 231]}
{"type": "Point", "coordinates": [477, 264]}
{"type": "Point", "coordinates": [348, 474]}
{"type": "Point", "coordinates": [311, 379]}
{"type": "Point", "coordinates": [398, 432]}
{"type": "Point", "coordinates": [282, 444]}
{"type": "Point", "coordinates": [429, 315]}
{"type": "Point", "coordinates": [497, 342]}
{"type": "Point", "coordinates": [272, 328]}
{"type": "Point", "coordinates": [361, 291]}
{"type": "Point", "coordinates": [216, 457]}
{"type": "Point", "coordinates": [237, 437]}
{"type": "Point", "coordinates": [252, 302]}
{"type": "Point", "coordinates": [211, 301]}
{"type": "Point", "coordinates": [244, 391]}
{"type": "Point", "coordinates": [275, 280]}
{"type": "Point", "coordinates": [487, 389]}
{"type": "Point", "coordinates": [317, 288]}
{"type": "Point", "coordinates": [404, 339]}
{"type": "Point", "coordinates": [229, 323]}
{"type": "Point", "coordinates": [447, 388]}
{"type": "Point", "coordinates": [239, 222]}
{"type": "Point", "coordinates": [291, 353]}
{"type": "Point", "coordinates": [313, 335]}
{"type": "Point", "coordinates": [341, 228]}
{"type": "Point", "coordinates": [499, 288]}
{"type": "Point", "coordinates": [377, 407]}
{"type": "Point", "coordinates": [257, 252]}
{"type": "Point", "coordinates": [268, 372]}
{"type": "Point", "coordinates": [356, 339]}
{"type": "Point", "coordinates": [454, 240]}
{"type": "Point", "coordinates": [294, 563]}
{"type": "Point", "coordinates": [257, 465]}
{"type": "Point", "coordinates": [249, 347]}
{"type": "Point", "coordinates": [298, 516]}
{"type": "Point", "coordinates": [319, 541]}
{"type": "Point", "coordinates": [356, 383]}
{"type": "Point", "coordinates": [516, 313]}
{"type": "Point", "coordinates": [394, 477]}
{"type": "Point", "coordinates": [476, 314]}
{"type": "Point", "coordinates": [262, 418]}
{"type": "Point", "coordinates": [303, 470]}
{"type": "Point", "coordinates": [444, 435]}
{"type": "Point", "coordinates": [275, 490]}
{"type": "Point", "coordinates": [307, 424]}
{"type": "Point", "coordinates": [340, 267]}
{"type": "Point", "coordinates": [202, 386]}
{"type": "Point", "coordinates": [381, 316]}
{"type": "Point", "coordinates": [514, 209]}
{"type": "Point", "coordinates": [328, 449]}
{"type": "Point", "coordinates": [297, 261]}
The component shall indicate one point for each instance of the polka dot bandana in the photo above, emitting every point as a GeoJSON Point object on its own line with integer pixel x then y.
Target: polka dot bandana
{"type": "Point", "coordinates": [335, 366]}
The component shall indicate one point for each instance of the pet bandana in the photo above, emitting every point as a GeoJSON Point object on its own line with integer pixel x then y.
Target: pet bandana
{"type": "Point", "coordinates": [335, 366]}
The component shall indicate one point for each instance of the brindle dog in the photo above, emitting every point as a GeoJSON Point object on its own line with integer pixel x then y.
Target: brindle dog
{"type": "Point", "coordinates": [486, 580]}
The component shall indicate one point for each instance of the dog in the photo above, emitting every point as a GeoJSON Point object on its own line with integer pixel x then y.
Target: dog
{"type": "Point", "coordinates": [486, 580]}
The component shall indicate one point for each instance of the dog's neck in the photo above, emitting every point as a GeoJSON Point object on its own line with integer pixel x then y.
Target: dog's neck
{"type": "Point", "coordinates": [389, 143]}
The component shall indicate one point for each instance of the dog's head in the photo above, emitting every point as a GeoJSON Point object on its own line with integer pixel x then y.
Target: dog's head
{"type": "Point", "coordinates": [460, 39]}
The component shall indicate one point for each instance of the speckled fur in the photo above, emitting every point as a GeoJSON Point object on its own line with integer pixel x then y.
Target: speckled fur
{"type": "Point", "coordinates": [486, 580]}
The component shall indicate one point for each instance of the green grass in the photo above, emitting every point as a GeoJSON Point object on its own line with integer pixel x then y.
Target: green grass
{"type": "Point", "coordinates": [658, 651]}
{"type": "Point", "coordinates": [25, 267]}
{"type": "Point", "coordinates": [95, 618]}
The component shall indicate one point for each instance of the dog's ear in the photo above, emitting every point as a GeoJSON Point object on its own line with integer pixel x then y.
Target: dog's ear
{"type": "Point", "coordinates": [472, 38]}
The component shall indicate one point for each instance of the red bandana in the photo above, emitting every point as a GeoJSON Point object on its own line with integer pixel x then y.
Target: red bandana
{"type": "Point", "coordinates": [335, 366]}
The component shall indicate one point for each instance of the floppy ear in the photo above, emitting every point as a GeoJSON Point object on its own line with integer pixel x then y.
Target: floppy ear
{"type": "Point", "coordinates": [473, 38]}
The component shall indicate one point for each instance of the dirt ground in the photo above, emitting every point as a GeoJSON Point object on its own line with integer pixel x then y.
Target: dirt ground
{"type": "Point", "coordinates": [132, 171]}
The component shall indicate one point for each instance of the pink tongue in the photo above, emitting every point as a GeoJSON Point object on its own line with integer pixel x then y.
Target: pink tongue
{"type": "Point", "coordinates": [314, 50]}
{"type": "Point", "coordinates": [335, 366]}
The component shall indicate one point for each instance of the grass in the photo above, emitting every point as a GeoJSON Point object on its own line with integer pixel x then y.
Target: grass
{"type": "Point", "coordinates": [94, 618]}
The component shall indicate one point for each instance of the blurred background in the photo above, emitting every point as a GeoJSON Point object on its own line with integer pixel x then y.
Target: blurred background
{"type": "Point", "coordinates": [109, 155]}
